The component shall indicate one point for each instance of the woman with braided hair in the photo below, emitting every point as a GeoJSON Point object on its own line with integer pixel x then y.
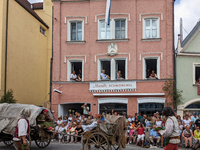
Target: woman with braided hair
{"type": "Point", "coordinates": [171, 131]}
{"type": "Point", "coordinates": [22, 129]}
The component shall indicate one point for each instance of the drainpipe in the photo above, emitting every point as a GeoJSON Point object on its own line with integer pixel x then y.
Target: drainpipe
{"type": "Point", "coordinates": [51, 59]}
{"type": "Point", "coordinates": [6, 47]}
{"type": "Point", "coordinates": [174, 57]}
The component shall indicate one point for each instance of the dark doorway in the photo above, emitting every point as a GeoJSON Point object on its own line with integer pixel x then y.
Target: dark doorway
{"type": "Point", "coordinates": [117, 107]}
{"type": "Point", "coordinates": [121, 65]}
{"type": "Point", "coordinates": [151, 64]}
{"type": "Point", "coordinates": [105, 65]}
{"type": "Point", "coordinates": [150, 108]}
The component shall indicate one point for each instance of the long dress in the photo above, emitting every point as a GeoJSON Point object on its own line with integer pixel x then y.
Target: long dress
{"type": "Point", "coordinates": [47, 122]}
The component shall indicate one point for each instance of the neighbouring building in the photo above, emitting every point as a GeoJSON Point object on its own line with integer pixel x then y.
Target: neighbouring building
{"type": "Point", "coordinates": [139, 38]}
{"type": "Point", "coordinates": [26, 50]}
{"type": "Point", "coordinates": [188, 71]}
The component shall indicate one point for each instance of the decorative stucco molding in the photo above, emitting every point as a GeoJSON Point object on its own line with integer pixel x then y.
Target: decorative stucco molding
{"type": "Point", "coordinates": [151, 53]}
{"type": "Point", "coordinates": [113, 100]}
{"type": "Point", "coordinates": [76, 17]}
{"type": "Point", "coordinates": [151, 100]}
{"type": "Point", "coordinates": [129, 16]}
{"type": "Point", "coordinates": [65, 57]}
{"type": "Point", "coordinates": [140, 15]}
{"type": "Point", "coordinates": [95, 57]}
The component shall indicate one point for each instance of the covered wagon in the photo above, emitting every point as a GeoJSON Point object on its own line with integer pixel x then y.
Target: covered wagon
{"type": "Point", "coordinates": [9, 116]}
{"type": "Point", "coordinates": [107, 135]}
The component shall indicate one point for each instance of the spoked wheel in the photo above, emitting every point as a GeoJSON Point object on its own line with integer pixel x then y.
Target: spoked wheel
{"type": "Point", "coordinates": [97, 141]}
{"type": "Point", "coordinates": [8, 143]}
{"type": "Point", "coordinates": [42, 143]}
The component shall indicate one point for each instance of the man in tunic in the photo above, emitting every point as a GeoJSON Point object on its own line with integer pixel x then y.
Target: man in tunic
{"type": "Point", "coordinates": [22, 129]}
{"type": "Point", "coordinates": [171, 129]}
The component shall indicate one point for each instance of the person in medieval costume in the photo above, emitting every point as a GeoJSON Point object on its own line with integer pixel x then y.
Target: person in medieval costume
{"type": "Point", "coordinates": [45, 121]}
{"type": "Point", "coordinates": [22, 129]}
{"type": "Point", "coordinates": [171, 131]}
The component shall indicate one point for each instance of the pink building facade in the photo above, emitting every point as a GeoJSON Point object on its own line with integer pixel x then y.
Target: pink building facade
{"type": "Point", "coordinates": [139, 38]}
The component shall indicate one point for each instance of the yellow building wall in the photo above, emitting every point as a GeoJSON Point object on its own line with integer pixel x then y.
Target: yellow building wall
{"type": "Point", "coordinates": [27, 57]}
{"type": "Point", "coordinates": [46, 15]}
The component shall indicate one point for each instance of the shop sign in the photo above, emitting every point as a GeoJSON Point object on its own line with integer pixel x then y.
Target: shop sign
{"type": "Point", "coordinates": [112, 86]}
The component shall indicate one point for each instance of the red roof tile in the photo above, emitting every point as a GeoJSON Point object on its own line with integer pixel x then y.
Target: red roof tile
{"type": "Point", "coordinates": [37, 6]}
{"type": "Point", "coordinates": [26, 5]}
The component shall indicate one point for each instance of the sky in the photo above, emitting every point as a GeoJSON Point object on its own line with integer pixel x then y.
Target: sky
{"type": "Point", "coordinates": [188, 10]}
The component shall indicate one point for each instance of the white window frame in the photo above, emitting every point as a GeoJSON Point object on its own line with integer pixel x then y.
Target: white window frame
{"type": "Point", "coordinates": [158, 65]}
{"type": "Point", "coordinates": [69, 68]}
{"type": "Point", "coordinates": [194, 73]}
{"type": "Point", "coordinates": [112, 28]}
{"type": "Point", "coordinates": [69, 29]}
{"type": "Point", "coordinates": [113, 66]}
{"type": "Point", "coordinates": [126, 27]}
{"type": "Point", "coordinates": [158, 26]}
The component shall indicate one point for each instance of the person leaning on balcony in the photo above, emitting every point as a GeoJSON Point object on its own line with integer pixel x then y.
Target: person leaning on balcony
{"type": "Point", "coordinates": [119, 75]}
{"type": "Point", "coordinates": [153, 75]}
{"type": "Point", "coordinates": [103, 75]}
{"type": "Point", "coordinates": [198, 81]}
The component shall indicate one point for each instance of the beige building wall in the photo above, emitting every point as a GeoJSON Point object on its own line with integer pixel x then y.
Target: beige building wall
{"type": "Point", "coordinates": [27, 62]}
{"type": "Point", "coordinates": [46, 15]}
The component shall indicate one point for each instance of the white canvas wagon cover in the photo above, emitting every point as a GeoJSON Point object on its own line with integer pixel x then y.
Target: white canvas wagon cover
{"type": "Point", "coordinates": [10, 113]}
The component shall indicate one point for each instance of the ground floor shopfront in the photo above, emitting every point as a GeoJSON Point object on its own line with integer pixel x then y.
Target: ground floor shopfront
{"type": "Point", "coordinates": [127, 97]}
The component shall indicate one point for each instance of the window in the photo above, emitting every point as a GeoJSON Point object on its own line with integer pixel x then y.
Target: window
{"type": "Point", "coordinates": [77, 66]}
{"type": "Point", "coordinates": [120, 108]}
{"type": "Point", "coordinates": [197, 74]}
{"type": "Point", "coordinates": [76, 31]}
{"type": "Point", "coordinates": [116, 29]}
{"type": "Point", "coordinates": [105, 32]}
{"type": "Point", "coordinates": [120, 66]}
{"type": "Point", "coordinates": [42, 30]}
{"type": "Point", "coordinates": [119, 29]}
{"type": "Point", "coordinates": [151, 68]}
{"type": "Point", "coordinates": [111, 67]}
{"type": "Point", "coordinates": [150, 108]}
{"type": "Point", "coordinates": [151, 28]}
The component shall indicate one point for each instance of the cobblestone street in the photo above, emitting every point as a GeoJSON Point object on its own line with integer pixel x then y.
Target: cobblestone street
{"type": "Point", "coordinates": [57, 146]}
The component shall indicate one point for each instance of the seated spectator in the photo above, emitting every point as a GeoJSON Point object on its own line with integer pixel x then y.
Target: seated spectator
{"type": "Point", "coordinates": [154, 135]}
{"type": "Point", "coordinates": [80, 73]}
{"type": "Point", "coordinates": [119, 75]}
{"type": "Point", "coordinates": [65, 119]}
{"type": "Point", "coordinates": [193, 120]}
{"type": "Point", "coordinates": [158, 122]}
{"type": "Point", "coordinates": [148, 73]}
{"type": "Point", "coordinates": [74, 77]}
{"type": "Point", "coordinates": [71, 132]}
{"type": "Point", "coordinates": [129, 118]}
{"type": "Point", "coordinates": [78, 130]}
{"type": "Point", "coordinates": [148, 122]}
{"type": "Point", "coordinates": [197, 122]}
{"type": "Point", "coordinates": [197, 135]}
{"type": "Point", "coordinates": [139, 116]}
{"type": "Point", "coordinates": [59, 123]}
{"type": "Point", "coordinates": [153, 75]}
{"type": "Point", "coordinates": [104, 76]}
{"type": "Point", "coordinates": [131, 130]}
{"type": "Point", "coordinates": [140, 133]}
{"type": "Point", "coordinates": [143, 120]}
{"type": "Point", "coordinates": [83, 120]}
{"type": "Point", "coordinates": [180, 127]}
{"type": "Point", "coordinates": [179, 118]}
{"type": "Point", "coordinates": [137, 120]}
{"type": "Point", "coordinates": [187, 136]}
{"type": "Point", "coordinates": [62, 129]}
{"type": "Point", "coordinates": [78, 117]}
{"type": "Point", "coordinates": [198, 81]}
{"type": "Point", "coordinates": [70, 118]}
{"type": "Point", "coordinates": [186, 121]}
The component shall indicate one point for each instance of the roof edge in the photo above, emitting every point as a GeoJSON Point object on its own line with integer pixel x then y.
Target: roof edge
{"type": "Point", "coordinates": [37, 17]}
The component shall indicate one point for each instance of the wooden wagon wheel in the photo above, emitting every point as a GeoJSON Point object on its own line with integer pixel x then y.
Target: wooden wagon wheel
{"type": "Point", "coordinates": [42, 143]}
{"type": "Point", "coordinates": [97, 141]}
{"type": "Point", "coordinates": [8, 143]}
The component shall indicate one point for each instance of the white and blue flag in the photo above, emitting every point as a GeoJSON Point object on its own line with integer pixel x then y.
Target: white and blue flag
{"type": "Point", "coordinates": [108, 6]}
